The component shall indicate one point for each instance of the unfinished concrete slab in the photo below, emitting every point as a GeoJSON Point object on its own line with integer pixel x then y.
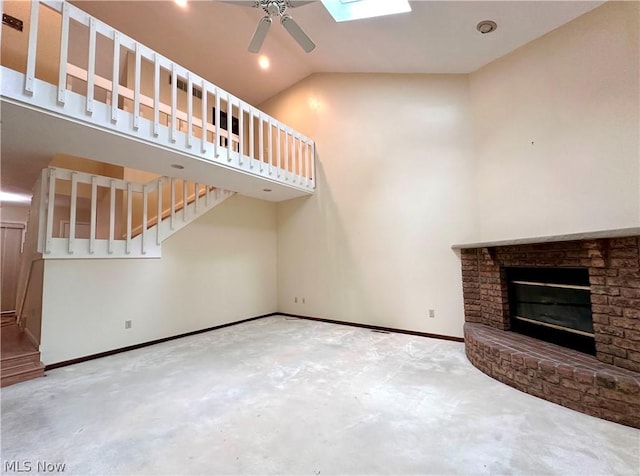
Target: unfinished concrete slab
{"type": "Point", "coordinates": [289, 396]}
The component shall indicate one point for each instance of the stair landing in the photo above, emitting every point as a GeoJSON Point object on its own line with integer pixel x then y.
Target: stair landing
{"type": "Point", "coordinates": [20, 358]}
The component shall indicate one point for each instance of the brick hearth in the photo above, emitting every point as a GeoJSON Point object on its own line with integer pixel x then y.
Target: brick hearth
{"type": "Point", "coordinates": [564, 376]}
{"type": "Point", "coordinates": [614, 277]}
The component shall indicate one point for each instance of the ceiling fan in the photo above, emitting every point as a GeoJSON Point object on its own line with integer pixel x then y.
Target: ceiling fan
{"type": "Point", "coordinates": [277, 8]}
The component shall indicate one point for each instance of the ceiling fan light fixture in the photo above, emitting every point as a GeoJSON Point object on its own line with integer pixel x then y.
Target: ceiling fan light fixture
{"type": "Point", "coordinates": [349, 10]}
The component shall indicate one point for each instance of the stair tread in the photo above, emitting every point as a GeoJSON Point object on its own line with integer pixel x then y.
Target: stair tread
{"type": "Point", "coordinates": [15, 343]}
{"type": "Point", "coordinates": [19, 369]}
{"type": "Point", "coordinates": [25, 359]}
{"type": "Point", "coordinates": [23, 376]}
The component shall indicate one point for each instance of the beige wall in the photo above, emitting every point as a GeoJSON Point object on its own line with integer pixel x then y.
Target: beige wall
{"type": "Point", "coordinates": [10, 212]}
{"type": "Point", "coordinates": [13, 52]}
{"type": "Point", "coordinates": [555, 149]}
{"type": "Point", "coordinates": [219, 269]}
{"type": "Point", "coordinates": [395, 190]}
{"type": "Point", "coordinates": [556, 130]}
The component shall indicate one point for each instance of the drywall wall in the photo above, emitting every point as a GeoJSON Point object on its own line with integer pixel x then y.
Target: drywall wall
{"type": "Point", "coordinates": [14, 212]}
{"type": "Point", "coordinates": [13, 52]}
{"type": "Point", "coordinates": [219, 269]}
{"type": "Point", "coordinates": [394, 191]}
{"type": "Point", "coordinates": [557, 130]}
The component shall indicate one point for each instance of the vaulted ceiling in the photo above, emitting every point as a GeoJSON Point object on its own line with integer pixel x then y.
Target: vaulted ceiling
{"type": "Point", "coordinates": [211, 37]}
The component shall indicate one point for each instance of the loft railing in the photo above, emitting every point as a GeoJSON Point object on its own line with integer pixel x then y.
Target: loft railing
{"type": "Point", "coordinates": [102, 77]}
{"type": "Point", "coordinates": [81, 215]}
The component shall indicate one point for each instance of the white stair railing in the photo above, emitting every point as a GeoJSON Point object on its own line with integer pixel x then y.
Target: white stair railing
{"type": "Point", "coordinates": [91, 216]}
{"type": "Point", "coordinates": [148, 97]}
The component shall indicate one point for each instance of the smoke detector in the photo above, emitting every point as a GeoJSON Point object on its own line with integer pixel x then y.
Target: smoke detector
{"type": "Point", "coordinates": [486, 26]}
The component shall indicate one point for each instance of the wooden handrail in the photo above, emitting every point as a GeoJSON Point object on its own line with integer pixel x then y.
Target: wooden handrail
{"type": "Point", "coordinates": [167, 212]}
{"type": "Point", "coordinates": [21, 320]}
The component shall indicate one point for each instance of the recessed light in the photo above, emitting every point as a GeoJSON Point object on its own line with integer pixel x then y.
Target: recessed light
{"type": "Point", "coordinates": [486, 26]}
{"type": "Point", "coordinates": [264, 62]}
{"type": "Point", "coordinates": [181, 3]}
{"type": "Point", "coordinates": [266, 190]}
{"type": "Point", "coordinates": [177, 166]}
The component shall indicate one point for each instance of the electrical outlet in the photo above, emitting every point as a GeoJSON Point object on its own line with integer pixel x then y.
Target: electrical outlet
{"type": "Point", "coordinates": [127, 324]}
{"type": "Point", "coordinates": [432, 313]}
{"type": "Point", "coordinates": [295, 300]}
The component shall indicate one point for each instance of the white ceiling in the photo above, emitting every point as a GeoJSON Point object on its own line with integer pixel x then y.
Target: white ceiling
{"type": "Point", "coordinates": [211, 37]}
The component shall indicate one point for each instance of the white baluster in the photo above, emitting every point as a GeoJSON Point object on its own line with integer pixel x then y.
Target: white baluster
{"type": "Point", "coordinates": [229, 128]}
{"type": "Point", "coordinates": [189, 109]}
{"type": "Point", "coordinates": [42, 209]}
{"type": "Point", "coordinates": [91, 68]}
{"type": "Point", "coordinates": [94, 204]}
{"type": "Point", "coordinates": [278, 146]}
{"type": "Point", "coordinates": [205, 115]}
{"type": "Point", "coordinates": [129, 212]}
{"type": "Point", "coordinates": [286, 154]}
{"type": "Point", "coordinates": [64, 48]}
{"type": "Point", "coordinates": [116, 76]}
{"type": "Point", "coordinates": [156, 95]}
{"type": "Point", "coordinates": [145, 217]}
{"type": "Point", "coordinates": [185, 198]}
{"type": "Point", "coordinates": [33, 48]}
{"type": "Point", "coordinates": [72, 212]}
{"type": "Point", "coordinates": [217, 124]}
{"type": "Point", "coordinates": [112, 215]}
{"type": "Point", "coordinates": [270, 143]}
{"type": "Point", "coordinates": [240, 133]}
{"type": "Point", "coordinates": [261, 142]}
{"type": "Point", "coordinates": [174, 102]}
{"type": "Point", "coordinates": [51, 198]}
{"type": "Point", "coordinates": [251, 153]}
{"type": "Point", "coordinates": [160, 189]}
{"type": "Point", "coordinates": [136, 88]}
{"type": "Point", "coordinates": [173, 203]}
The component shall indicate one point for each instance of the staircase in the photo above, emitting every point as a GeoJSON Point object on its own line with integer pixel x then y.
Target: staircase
{"type": "Point", "coordinates": [20, 356]}
{"type": "Point", "coordinates": [122, 219]}
{"type": "Point", "coordinates": [80, 215]}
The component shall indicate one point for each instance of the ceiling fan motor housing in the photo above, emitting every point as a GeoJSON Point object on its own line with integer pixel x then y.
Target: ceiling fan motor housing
{"type": "Point", "coordinates": [274, 7]}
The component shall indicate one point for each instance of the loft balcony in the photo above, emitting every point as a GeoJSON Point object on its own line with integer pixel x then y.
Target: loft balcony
{"type": "Point", "coordinates": [72, 84]}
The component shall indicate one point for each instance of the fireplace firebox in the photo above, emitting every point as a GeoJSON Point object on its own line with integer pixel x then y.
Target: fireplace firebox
{"type": "Point", "coordinates": [552, 304]}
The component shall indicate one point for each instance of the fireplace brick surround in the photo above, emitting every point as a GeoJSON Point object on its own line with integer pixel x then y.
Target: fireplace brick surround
{"type": "Point", "coordinates": [607, 385]}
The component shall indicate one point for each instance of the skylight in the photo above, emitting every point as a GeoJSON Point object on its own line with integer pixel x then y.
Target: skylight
{"type": "Point", "coordinates": [347, 10]}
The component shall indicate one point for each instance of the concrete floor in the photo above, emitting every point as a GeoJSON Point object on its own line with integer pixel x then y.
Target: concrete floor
{"type": "Point", "coordinates": [286, 396]}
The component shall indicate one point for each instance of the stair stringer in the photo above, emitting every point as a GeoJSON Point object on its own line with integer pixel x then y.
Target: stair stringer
{"type": "Point", "coordinates": [184, 216]}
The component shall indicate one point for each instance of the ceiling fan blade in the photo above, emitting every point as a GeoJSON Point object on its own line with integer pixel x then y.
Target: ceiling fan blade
{"type": "Point", "coordinates": [300, 36]}
{"type": "Point", "coordinates": [260, 35]}
{"type": "Point", "coordinates": [296, 3]}
{"type": "Point", "coordinates": [243, 3]}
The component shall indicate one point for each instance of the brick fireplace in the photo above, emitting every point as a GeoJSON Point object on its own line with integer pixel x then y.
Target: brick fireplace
{"type": "Point", "coordinates": [606, 385]}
